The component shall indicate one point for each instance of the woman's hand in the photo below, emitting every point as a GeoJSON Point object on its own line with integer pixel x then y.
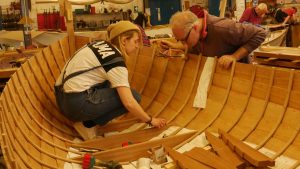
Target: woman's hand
{"type": "Point", "coordinates": [158, 122]}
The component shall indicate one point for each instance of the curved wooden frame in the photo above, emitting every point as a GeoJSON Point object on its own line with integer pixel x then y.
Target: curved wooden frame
{"type": "Point", "coordinates": [256, 104]}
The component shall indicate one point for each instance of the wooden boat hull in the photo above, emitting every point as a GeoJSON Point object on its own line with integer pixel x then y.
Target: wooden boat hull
{"type": "Point", "coordinates": [276, 38]}
{"type": "Point", "coordinates": [257, 104]}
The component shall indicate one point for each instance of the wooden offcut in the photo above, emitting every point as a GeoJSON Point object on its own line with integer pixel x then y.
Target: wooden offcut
{"type": "Point", "coordinates": [209, 158]}
{"type": "Point", "coordinates": [246, 152]}
{"type": "Point", "coordinates": [184, 161]}
{"type": "Point", "coordinates": [223, 151]}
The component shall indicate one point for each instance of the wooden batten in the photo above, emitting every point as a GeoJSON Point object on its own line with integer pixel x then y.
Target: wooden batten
{"type": "Point", "coordinates": [246, 152]}
{"type": "Point", "coordinates": [139, 150]}
{"type": "Point", "coordinates": [278, 56]}
{"type": "Point", "coordinates": [187, 89]}
{"type": "Point", "coordinates": [209, 158]}
{"type": "Point", "coordinates": [224, 152]}
{"type": "Point", "coordinates": [115, 141]}
{"type": "Point", "coordinates": [184, 161]}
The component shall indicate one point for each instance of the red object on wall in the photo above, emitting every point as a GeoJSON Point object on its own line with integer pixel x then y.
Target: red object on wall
{"type": "Point", "coordinates": [93, 11]}
{"type": "Point", "coordinates": [40, 20]}
{"type": "Point", "coordinates": [51, 21]}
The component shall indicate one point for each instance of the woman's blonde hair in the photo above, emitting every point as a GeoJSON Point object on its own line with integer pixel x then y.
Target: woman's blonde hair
{"type": "Point", "coordinates": [128, 35]}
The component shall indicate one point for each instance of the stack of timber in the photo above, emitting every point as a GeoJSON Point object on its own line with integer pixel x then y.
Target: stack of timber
{"type": "Point", "coordinates": [227, 153]}
{"type": "Point", "coordinates": [278, 56]}
{"type": "Point", "coordinates": [255, 104]}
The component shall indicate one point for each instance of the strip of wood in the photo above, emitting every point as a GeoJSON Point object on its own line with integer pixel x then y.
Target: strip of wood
{"type": "Point", "coordinates": [209, 158]}
{"type": "Point", "coordinates": [183, 161]}
{"type": "Point", "coordinates": [253, 156]}
{"type": "Point", "coordinates": [133, 152]}
{"type": "Point", "coordinates": [224, 152]}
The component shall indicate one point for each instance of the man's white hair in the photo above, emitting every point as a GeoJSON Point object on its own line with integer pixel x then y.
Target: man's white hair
{"type": "Point", "coordinates": [262, 6]}
{"type": "Point", "coordinates": [183, 20]}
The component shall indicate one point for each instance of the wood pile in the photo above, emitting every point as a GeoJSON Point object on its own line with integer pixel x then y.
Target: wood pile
{"type": "Point", "coordinates": [278, 56]}
{"type": "Point", "coordinates": [227, 152]}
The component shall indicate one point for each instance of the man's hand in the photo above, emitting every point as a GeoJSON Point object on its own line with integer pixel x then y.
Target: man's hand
{"type": "Point", "coordinates": [165, 44]}
{"type": "Point", "coordinates": [226, 61]}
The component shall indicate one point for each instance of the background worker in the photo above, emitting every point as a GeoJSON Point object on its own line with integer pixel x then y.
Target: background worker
{"type": "Point", "coordinates": [254, 15]}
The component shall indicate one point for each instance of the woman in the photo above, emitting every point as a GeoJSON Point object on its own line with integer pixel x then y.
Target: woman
{"type": "Point", "coordinates": [93, 87]}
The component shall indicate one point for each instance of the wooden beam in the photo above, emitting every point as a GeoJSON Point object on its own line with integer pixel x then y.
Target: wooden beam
{"type": "Point", "coordinates": [183, 161]}
{"type": "Point", "coordinates": [253, 156]}
{"type": "Point", "coordinates": [66, 10]}
{"type": "Point", "coordinates": [224, 151]}
{"type": "Point", "coordinates": [135, 151]}
{"type": "Point", "coordinates": [209, 158]}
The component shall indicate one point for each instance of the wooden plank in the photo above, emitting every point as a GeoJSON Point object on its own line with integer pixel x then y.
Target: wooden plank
{"type": "Point", "coordinates": [49, 103]}
{"type": "Point", "coordinates": [274, 112]}
{"type": "Point", "coordinates": [6, 147]}
{"type": "Point", "coordinates": [39, 105]}
{"type": "Point", "coordinates": [58, 55]}
{"type": "Point", "coordinates": [260, 96]}
{"type": "Point", "coordinates": [183, 161]}
{"type": "Point", "coordinates": [253, 156]}
{"type": "Point", "coordinates": [80, 41]}
{"type": "Point", "coordinates": [18, 145]}
{"type": "Point", "coordinates": [140, 76]}
{"type": "Point", "coordinates": [222, 8]}
{"type": "Point", "coordinates": [279, 63]}
{"type": "Point", "coordinates": [142, 69]}
{"type": "Point", "coordinates": [187, 113]}
{"type": "Point", "coordinates": [241, 80]}
{"type": "Point", "coordinates": [283, 55]}
{"type": "Point", "coordinates": [168, 88]}
{"type": "Point", "coordinates": [45, 69]}
{"type": "Point", "coordinates": [287, 132]}
{"type": "Point", "coordinates": [35, 136]}
{"type": "Point", "coordinates": [184, 91]}
{"type": "Point", "coordinates": [139, 150]}
{"type": "Point", "coordinates": [223, 151]}
{"type": "Point", "coordinates": [52, 66]}
{"type": "Point", "coordinates": [237, 98]}
{"type": "Point", "coordinates": [25, 153]}
{"type": "Point", "coordinates": [154, 81]}
{"type": "Point", "coordinates": [209, 158]}
{"type": "Point", "coordinates": [64, 45]}
{"type": "Point", "coordinates": [116, 141]}
{"type": "Point", "coordinates": [221, 85]}
{"type": "Point", "coordinates": [70, 26]}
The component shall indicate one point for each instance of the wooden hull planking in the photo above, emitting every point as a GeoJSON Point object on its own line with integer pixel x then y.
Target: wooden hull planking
{"type": "Point", "coordinates": [256, 104]}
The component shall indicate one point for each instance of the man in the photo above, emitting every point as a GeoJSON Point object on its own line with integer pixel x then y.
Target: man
{"type": "Point", "coordinates": [284, 15]}
{"type": "Point", "coordinates": [254, 15]}
{"type": "Point", "coordinates": [214, 36]}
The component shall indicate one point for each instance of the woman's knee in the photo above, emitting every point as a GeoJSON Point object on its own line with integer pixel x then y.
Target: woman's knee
{"type": "Point", "coordinates": [136, 95]}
